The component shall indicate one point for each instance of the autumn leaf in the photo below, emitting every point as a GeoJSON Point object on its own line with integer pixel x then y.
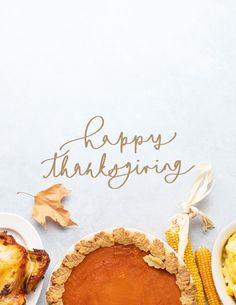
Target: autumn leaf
{"type": "Point", "coordinates": [47, 203]}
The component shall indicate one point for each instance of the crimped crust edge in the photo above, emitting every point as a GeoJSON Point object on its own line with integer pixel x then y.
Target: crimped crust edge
{"type": "Point", "coordinates": [158, 257]}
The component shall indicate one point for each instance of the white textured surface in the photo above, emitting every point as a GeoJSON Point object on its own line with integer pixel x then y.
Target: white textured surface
{"type": "Point", "coordinates": [146, 66]}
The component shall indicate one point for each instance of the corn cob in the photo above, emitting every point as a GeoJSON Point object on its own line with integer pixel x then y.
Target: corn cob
{"type": "Point", "coordinates": [203, 260]}
{"type": "Point", "coordinates": [172, 237]}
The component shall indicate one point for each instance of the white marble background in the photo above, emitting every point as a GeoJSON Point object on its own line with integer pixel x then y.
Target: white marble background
{"type": "Point", "coordinates": [146, 66]}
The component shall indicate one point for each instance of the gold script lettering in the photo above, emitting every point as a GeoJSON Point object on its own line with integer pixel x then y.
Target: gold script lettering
{"type": "Point", "coordinates": [60, 164]}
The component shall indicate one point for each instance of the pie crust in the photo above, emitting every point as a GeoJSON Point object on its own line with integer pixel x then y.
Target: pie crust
{"type": "Point", "coordinates": [157, 257]}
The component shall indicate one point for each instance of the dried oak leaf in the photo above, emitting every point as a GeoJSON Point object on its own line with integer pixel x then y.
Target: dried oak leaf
{"type": "Point", "coordinates": [47, 203]}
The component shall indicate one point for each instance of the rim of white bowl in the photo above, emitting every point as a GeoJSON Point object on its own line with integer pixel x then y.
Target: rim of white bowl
{"type": "Point", "coordinates": [219, 244]}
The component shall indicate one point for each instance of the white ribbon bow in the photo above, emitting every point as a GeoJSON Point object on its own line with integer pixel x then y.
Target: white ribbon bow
{"type": "Point", "coordinates": [202, 186]}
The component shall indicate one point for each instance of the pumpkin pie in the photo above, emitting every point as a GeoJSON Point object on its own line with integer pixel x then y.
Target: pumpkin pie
{"type": "Point", "coordinates": [121, 267]}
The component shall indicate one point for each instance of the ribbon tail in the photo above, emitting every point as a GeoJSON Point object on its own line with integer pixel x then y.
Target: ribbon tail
{"type": "Point", "coordinates": [183, 224]}
{"type": "Point", "coordinates": [207, 223]}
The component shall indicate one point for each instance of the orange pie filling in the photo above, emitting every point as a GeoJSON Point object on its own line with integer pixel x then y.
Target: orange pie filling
{"type": "Point", "coordinates": [118, 275]}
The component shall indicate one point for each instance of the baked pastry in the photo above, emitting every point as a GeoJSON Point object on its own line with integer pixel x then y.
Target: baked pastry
{"type": "Point", "coordinates": [13, 260]}
{"type": "Point", "coordinates": [20, 270]}
{"type": "Point", "coordinates": [121, 267]}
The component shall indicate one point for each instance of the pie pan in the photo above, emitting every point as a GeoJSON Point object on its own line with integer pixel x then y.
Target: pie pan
{"type": "Point", "coordinates": [158, 254]}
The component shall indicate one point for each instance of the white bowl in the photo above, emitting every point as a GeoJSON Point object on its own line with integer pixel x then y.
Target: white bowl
{"type": "Point", "coordinates": [217, 263]}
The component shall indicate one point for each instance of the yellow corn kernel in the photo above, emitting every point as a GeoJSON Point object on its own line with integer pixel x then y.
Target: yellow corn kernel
{"type": "Point", "coordinates": [172, 237]}
{"type": "Point", "coordinates": [203, 260]}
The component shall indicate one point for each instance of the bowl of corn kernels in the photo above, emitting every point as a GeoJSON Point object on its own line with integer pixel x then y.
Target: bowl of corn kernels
{"type": "Point", "coordinates": [224, 264]}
